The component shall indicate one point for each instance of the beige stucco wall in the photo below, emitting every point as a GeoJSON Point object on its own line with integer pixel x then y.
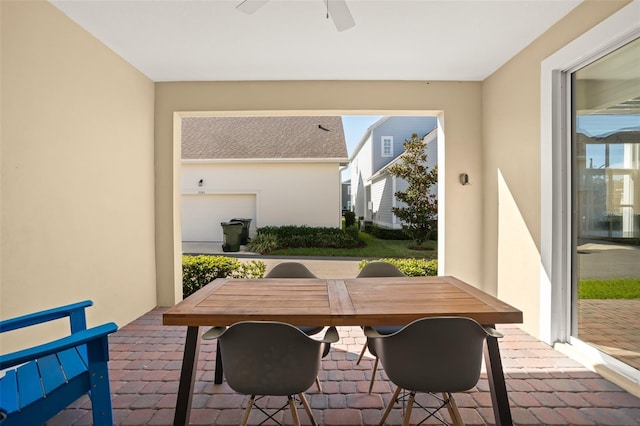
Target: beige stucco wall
{"type": "Point", "coordinates": [77, 198]}
{"type": "Point", "coordinates": [459, 101]}
{"type": "Point", "coordinates": [511, 156]}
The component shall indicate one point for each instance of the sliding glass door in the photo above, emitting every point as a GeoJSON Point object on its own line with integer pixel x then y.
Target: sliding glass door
{"type": "Point", "coordinates": [606, 204]}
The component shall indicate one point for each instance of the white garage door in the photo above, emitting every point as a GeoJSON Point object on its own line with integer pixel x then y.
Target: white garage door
{"type": "Point", "coordinates": [202, 214]}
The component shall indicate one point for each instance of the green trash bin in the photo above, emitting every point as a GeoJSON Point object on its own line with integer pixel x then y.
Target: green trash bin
{"type": "Point", "coordinates": [231, 232]}
{"type": "Point", "coordinates": [244, 237]}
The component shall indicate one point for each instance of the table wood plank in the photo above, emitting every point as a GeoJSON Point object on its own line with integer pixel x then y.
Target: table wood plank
{"type": "Point", "coordinates": [405, 299]}
{"type": "Point", "coordinates": [339, 302]}
{"type": "Point", "coordinates": [226, 301]}
{"type": "Point", "coordinates": [319, 302]}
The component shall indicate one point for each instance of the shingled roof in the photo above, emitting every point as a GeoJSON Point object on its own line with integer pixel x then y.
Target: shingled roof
{"type": "Point", "coordinates": [300, 137]}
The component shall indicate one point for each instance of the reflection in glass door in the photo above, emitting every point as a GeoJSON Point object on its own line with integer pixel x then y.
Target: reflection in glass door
{"type": "Point", "coordinates": [606, 204]}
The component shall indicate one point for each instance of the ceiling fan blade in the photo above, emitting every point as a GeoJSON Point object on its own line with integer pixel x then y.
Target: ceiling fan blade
{"type": "Point", "coordinates": [250, 6]}
{"type": "Point", "coordinates": [339, 12]}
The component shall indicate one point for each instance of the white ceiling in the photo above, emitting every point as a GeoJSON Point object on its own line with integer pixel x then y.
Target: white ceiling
{"type": "Point", "coordinates": [187, 40]}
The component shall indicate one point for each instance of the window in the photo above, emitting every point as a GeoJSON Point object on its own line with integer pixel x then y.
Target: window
{"type": "Point", "coordinates": [387, 146]}
{"type": "Point", "coordinates": [573, 91]}
{"type": "Point", "coordinates": [606, 202]}
{"type": "Point", "coordinates": [348, 189]}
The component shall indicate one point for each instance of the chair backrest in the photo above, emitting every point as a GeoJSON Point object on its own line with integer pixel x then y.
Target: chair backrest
{"type": "Point", "coordinates": [439, 354]}
{"type": "Point", "coordinates": [269, 358]}
{"type": "Point", "coordinates": [290, 270]}
{"type": "Point", "coordinates": [380, 269]}
{"type": "Point", "coordinates": [41, 381]}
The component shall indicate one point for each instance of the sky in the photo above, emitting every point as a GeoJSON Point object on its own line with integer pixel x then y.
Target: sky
{"type": "Point", "coordinates": [604, 124]}
{"type": "Point", "coordinates": [600, 125]}
{"type": "Point", "coordinates": [354, 127]}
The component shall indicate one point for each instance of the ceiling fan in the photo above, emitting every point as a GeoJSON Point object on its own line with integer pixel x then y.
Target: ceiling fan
{"type": "Point", "coordinates": [336, 9]}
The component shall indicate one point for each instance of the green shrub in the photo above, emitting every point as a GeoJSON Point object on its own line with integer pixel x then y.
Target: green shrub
{"type": "Point", "coordinates": [410, 267]}
{"type": "Point", "coordinates": [349, 219]}
{"type": "Point", "coordinates": [198, 271]}
{"type": "Point", "coordinates": [250, 269]}
{"type": "Point", "coordinates": [366, 226]}
{"type": "Point", "coordinates": [263, 243]}
{"type": "Point", "coordinates": [386, 233]}
{"type": "Point", "coordinates": [306, 236]}
{"type": "Point", "coordinates": [353, 231]}
{"type": "Point", "coordinates": [396, 234]}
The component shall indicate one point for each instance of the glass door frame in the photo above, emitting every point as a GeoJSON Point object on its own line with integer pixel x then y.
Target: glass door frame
{"type": "Point", "coordinates": [557, 233]}
{"type": "Point", "coordinates": [574, 178]}
{"type": "Point", "coordinates": [572, 231]}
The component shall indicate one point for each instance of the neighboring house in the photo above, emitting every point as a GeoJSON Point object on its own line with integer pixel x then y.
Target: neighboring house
{"type": "Point", "coordinates": [384, 186]}
{"type": "Point", "coordinates": [273, 170]}
{"type": "Point", "coordinates": [346, 196]}
{"type": "Point", "coordinates": [373, 188]}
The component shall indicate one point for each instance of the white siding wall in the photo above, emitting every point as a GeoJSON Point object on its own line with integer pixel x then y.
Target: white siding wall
{"type": "Point", "coordinates": [432, 160]}
{"type": "Point", "coordinates": [382, 191]}
{"type": "Point", "coordinates": [284, 193]}
{"type": "Point", "coordinates": [202, 214]}
{"type": "Point", "coordinates": [360, 173]}
{"type": "Point", "coordinates": [377, 194]}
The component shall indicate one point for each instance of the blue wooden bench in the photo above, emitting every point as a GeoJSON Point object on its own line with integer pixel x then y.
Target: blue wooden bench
{"type": "Point", "coordinates": [41, 381]}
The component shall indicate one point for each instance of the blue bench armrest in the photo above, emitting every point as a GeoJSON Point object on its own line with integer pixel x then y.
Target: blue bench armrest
{"type": "Point", "coordinates": [45, 379]}
{"type": "Point", "coordinates": [76, 339]}
{"type": "Point", "coordinates": [75, 311]}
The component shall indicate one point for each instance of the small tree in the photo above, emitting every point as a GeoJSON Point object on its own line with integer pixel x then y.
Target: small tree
{"type": "Point", "coordinates": [421, 204]}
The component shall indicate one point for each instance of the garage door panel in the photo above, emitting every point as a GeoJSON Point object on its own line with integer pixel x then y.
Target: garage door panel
{"type": "Point", "coordinates": [202, 214]}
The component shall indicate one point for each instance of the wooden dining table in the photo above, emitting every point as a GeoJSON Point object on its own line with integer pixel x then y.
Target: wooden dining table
{"type": "Point", "coordinates": [337, 302]}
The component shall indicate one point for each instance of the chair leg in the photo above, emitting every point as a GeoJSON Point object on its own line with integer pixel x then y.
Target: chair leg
{"type": "Point", "coordinates": [307, 408]}
{"type": "Point", "coordinates": [294, 411]}
{"type": "Point", "coordinates": [318, 385]}
{"type": "Point", "coordinates": [452, 407]}
{"type": "Point", "coordinates": [390, 406]}
{"type": "Point", "coordinates": [247, 411]}
{"type": "Point", "coordinates": [373, 375]}
{"type": "Point", "coordinates": [99, 380]}
{"type": "Point", "coordinates": [364, 349]}
{"type": "Point", "coordinates": [407, 414]}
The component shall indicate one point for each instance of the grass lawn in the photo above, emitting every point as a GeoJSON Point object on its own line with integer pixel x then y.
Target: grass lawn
{"type": "Point", "coordinates": [374, 248]}
{"type": "Point", "coordinates": [616, 288]}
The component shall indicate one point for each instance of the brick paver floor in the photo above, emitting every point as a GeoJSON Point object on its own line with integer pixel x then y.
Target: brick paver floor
{"type": "Point", "coordinates": [545, 387]}
{"type": "Point", "coordinates": [612, 326]}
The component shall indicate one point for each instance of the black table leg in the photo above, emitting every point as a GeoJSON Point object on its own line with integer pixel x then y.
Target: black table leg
{"type": "Point", "coordinates": [187, 376]}
{"type": "Point", "coordinates": [498, 387]}
{"type": "Point", "coordinates": [217, 378]}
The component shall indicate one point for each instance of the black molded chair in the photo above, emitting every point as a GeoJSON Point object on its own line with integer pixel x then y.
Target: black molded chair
{"type": "Point", "coordinates": [290, 270]}
{"type": "Point", "coordinates": [380, 269]}
{"type": "Point", "coordinates": [433, 355]}
{"type": "Point", "coordinates": [372, 270]}
{"type": "Point", "coordinates": [271, 358]}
